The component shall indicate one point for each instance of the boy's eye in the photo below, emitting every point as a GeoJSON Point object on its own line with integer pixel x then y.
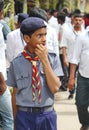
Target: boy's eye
{"type": "Point", "coordinates": [40, 35]}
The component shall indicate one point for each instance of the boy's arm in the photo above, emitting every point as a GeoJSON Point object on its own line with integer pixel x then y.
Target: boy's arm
{"type": "Point", "coordinates": [52, 80]}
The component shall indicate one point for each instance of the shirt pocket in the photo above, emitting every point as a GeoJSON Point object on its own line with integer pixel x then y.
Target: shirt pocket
{"type": "Point", "coordinates": [23, 80]}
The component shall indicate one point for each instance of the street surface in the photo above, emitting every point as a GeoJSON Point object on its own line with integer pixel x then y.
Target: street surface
{"type": "Point", "coordinates": [67, 118]}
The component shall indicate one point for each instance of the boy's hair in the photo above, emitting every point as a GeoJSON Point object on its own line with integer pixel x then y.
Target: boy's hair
{"type": "Point", "coordinates": [1, 5]}
{"type": "Point", "coordinates": [38, 12]}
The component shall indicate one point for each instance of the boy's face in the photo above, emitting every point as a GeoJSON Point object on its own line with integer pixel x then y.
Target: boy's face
{"type": "Point", "coordinates": [38, 37]}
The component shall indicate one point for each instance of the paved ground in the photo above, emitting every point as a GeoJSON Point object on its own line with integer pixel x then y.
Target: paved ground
{"type": "Point", "coordinates": [66, 112]}
{"type": "Point", "coordinates": [67, 118]}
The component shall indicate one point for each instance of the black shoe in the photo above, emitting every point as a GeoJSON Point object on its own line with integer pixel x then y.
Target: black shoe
{"type": "Point", "coordinates": [84, 128]}
{"type": "Point", "coordinates": [70, 96]}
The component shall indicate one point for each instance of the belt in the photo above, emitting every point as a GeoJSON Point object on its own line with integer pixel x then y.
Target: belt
{"type": "Point", "coordinates": [36, 109]}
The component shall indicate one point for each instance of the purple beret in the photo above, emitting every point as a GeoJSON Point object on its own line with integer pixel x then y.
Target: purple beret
{"type": "Point", "coordinates": [31, 24]}
{"type": "Point", "coordinates": [22, 16]}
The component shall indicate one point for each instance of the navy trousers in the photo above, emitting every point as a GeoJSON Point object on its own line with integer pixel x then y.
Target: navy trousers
{"type": "Point", "coordinates": [36, 121]}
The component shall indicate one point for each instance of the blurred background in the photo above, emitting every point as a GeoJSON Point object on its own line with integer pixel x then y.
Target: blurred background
{"type": "Point", "coordinates": [13, 7]}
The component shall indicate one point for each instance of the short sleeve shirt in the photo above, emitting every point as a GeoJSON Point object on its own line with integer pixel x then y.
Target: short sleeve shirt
{"type": "Point", "coordinates": [68, 41]}
{"type": "Point", "coordinates": [81, 54]}
{"type": "Point", "coordinates": [20, 76]}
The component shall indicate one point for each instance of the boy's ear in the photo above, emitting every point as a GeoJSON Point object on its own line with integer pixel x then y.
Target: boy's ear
{"type": "Point", "coordinates": [26, 38]}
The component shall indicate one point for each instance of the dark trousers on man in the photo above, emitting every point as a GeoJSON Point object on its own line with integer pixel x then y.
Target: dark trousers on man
{"type": "Point", "coordinates": [82, 99]}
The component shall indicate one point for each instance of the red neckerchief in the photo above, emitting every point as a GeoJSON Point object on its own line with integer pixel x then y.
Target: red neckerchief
{"type": "Point", "coordinates": [35, 75]}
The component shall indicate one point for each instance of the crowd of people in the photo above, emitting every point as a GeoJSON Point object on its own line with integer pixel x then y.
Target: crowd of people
{"type": "Point", "coordinates": [46, 53]}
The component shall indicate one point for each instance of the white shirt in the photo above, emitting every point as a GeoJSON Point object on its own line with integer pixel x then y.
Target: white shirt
{"type": "Point", "coordinates": [68, 40]}
{"type": "Point", "coordinates": [52, 43]}
{"type": "Point", "coordinates": [63, 28]}
{"type": "Point", "coordinates": [2, 53]}
{"type": "Point", "coordinates": [52, 40]}
{"type": "Point", "coordinates": [15, 44]}
{"type": "Point", "coordinates": [81, 54]}
{"type": "Point", "coordinates": [54, 24]}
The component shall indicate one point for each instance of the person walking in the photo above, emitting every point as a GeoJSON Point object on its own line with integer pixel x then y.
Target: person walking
{"type": "Point", "coordinates": [67, 44]}
{"type": "Point", "coordinates": [6, 113]}
{"type": "Point", "coordinates": [80, 58]}
{"type": "Point", "coordinates": [35, 75]}
{"type": "Point", "coordinates": [15, 44]}
{"type": "Point", "coordinates": [63, 28]}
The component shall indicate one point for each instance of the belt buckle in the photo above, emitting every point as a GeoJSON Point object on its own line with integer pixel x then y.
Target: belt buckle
{"type": "Point", "coordinates": [37, 110]}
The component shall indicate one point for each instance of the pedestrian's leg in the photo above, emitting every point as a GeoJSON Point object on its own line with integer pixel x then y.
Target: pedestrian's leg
{"type": "Point", "coordinates": [6, 110]}
{"type": "Point", "coordinates": [82, 100]}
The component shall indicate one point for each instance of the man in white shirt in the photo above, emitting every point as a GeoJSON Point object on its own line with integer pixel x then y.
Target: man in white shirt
{"type": "Point", "coordinates": [5, 98]}
{"type": "Point", "coordinates": [68, 41]}
{"type": "Point", "coordinates": [15, 44]}
{"type": "Point", "coordinates": [63, 27]}
{"type": "Point", "coordinates": [6, 113]}
{"type": "Point", "coordinates": [80, 57]}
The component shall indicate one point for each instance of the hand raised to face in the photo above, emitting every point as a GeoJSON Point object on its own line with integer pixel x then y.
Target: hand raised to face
{"type": "Point", "coordinates": [41, 51]}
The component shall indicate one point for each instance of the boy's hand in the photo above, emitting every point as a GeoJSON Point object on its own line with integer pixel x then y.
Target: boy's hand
{"type": "Point", "coordinates": [41, 51]}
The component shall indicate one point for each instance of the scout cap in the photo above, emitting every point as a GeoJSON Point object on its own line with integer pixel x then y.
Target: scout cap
{"type": "Point", "coordinates": [22, 16]}
{"type": "Point", "coordinates": [31, 24]}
